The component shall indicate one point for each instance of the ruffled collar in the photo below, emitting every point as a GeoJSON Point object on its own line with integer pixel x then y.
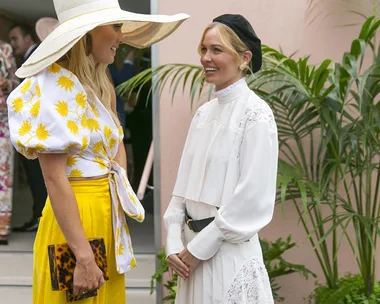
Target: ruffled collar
{"type": "Point", "coordinates": [233, 91]}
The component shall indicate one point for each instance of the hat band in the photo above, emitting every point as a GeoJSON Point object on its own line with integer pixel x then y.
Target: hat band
{"type": "Point", "coordinates": [85, 9]}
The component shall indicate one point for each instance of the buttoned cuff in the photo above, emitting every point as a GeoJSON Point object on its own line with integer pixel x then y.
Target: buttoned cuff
{"type": "Point", "coordinates": [207, 242]}
{"type": "Point", "coordinates": [174, 242]}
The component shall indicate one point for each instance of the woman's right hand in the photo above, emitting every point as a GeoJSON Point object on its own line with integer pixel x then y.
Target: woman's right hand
{"type": "Point", "coordinates": [175, 264]}
{"type": "Point", "coordinates": [87, 276]}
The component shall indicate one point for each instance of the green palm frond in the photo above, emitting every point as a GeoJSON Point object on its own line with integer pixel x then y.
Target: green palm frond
{"type": "Point", "coordinates": [321, 10]}
{"type": "Point", "coordinates": [306, 100]}
{"type": "Point", "coordinates": [173, 76]}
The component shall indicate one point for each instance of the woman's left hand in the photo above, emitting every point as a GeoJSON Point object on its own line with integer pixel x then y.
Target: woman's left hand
{"type": "Point", "coordinates": [187, 258]}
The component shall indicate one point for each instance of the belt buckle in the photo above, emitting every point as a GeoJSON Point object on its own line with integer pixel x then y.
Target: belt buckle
{"type": "Point", "coordinates": [187, 223]}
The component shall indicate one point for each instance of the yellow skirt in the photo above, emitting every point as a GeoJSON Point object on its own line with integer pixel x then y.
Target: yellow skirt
{"type": "Point", "coordinates": [94, 204]}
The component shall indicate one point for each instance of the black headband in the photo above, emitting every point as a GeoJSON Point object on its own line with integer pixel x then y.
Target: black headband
{"type": "Point", "coordinates": [245, 32]}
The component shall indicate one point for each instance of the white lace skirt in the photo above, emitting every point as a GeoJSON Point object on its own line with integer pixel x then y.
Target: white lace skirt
{"type": "Point", "coordinates": [235, 275]}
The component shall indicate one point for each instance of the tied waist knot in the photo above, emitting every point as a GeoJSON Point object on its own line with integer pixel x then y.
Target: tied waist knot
{"type": "Point", "coordinates": [124, 201]}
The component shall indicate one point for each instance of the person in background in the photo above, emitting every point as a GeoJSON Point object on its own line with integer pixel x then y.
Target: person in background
{"type": "Point", "coordinates": [8, 82]}
{"type": "Point", "coordinates": [23, 42]}
{"type": "Point", "coordinates": [226, 184]}
{"type": "Point", "coordinates": [139, 123]}
{"type": "Point", "coordinates": [119, 76]}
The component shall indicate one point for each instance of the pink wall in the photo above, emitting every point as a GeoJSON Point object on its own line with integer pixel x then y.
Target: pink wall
{"type": "Point", "coordinates": [279, 24]}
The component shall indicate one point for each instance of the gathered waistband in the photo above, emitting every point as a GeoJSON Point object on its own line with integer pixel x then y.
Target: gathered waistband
{"type": "Point", "coordinates": [91, 185]}
{"type": "Point", "coordinates": [123, 202]}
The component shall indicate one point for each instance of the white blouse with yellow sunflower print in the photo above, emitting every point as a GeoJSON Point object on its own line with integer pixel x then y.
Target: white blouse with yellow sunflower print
{"type": "Point", "coordinates": [50, 113]}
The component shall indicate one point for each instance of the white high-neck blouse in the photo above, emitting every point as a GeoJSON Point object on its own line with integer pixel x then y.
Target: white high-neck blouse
{"type": "Point", "coordinates": [230, 162]}
{"type": "Point", "coordinates": [227, 171]}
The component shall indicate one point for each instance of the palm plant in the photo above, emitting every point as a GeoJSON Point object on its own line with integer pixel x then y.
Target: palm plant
{"type": "Point", "coordinates": [362, 8]}
{"type": "Point", "coordinates": [329, 132]}
{"type": "Point", "coordinates": [179, 75]}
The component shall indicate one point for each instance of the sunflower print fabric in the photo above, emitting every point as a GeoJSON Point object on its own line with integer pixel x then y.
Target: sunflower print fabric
{"type": "Point", "coordinates": [50, 113]}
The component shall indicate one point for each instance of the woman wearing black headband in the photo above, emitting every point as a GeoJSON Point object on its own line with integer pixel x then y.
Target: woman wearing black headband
{"type": "Point", "coordinates": [226, 184]}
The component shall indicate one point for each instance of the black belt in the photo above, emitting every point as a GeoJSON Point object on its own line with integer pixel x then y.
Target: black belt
{"type": "Point", "coordinates": [197, 225]}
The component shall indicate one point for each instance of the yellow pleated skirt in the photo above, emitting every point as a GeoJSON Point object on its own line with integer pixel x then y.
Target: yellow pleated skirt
{"type": "Point", "coordinates": [94, 203]}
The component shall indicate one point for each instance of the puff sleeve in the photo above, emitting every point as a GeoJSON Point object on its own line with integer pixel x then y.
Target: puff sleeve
{"type": "Point", "coordinates": [47, 114]}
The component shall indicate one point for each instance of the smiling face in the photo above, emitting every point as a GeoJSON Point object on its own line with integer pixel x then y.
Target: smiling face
{"type": "Point", "coordinates": [220, 59]}
{"type": "Point", "coordinates": [105, 41]}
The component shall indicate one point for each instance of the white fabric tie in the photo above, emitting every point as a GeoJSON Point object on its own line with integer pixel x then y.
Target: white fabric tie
{"type": "Point", "coordinates": [124, 201]}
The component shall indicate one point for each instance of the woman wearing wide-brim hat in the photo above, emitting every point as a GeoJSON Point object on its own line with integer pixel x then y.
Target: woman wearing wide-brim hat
{"type": "Point", "coordinates": [64, 114]}
{"type": "Point", "coordinates": [226, 185]}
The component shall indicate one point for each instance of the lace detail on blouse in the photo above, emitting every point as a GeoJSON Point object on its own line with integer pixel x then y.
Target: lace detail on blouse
{"type": "Point", "coordinates": [250, 117]}
{"type": "Point", "coordinates": [251, 285]}
{"type": "Point", "coordinates": [262, 113]}
{"type": "Point", "coordinates": [197, 117]}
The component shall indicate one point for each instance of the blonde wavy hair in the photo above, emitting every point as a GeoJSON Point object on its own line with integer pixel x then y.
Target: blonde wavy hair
{"type": "Point", "coordinates": [92, 76]}
{"type": "Point", "coordinates": [233, 44]}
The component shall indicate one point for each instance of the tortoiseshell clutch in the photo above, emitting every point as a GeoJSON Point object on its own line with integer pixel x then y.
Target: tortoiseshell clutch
{"type": "Point", "coordinates": [62, 264]}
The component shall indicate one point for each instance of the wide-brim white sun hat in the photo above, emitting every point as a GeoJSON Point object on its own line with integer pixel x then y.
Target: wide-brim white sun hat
{"type": "Point", "coordinates": [78, 17]}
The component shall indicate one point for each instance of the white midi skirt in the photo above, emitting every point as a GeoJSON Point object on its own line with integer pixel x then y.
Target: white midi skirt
{"type": "Point", "coordinates": [234, 275]}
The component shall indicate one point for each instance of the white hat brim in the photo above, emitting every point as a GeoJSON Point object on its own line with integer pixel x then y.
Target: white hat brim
{"type": "Point", "coordinates": [139, 30]}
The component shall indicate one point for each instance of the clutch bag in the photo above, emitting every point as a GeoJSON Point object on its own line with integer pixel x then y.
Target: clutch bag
{"type": "Point", "coordinates": [62, 264]}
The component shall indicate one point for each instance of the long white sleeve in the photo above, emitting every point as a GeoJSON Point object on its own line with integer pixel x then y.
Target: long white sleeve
{"type": "Point", "coordinates": [252, 203]}
{"type": "Point", "coordinates": [174, 219]}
